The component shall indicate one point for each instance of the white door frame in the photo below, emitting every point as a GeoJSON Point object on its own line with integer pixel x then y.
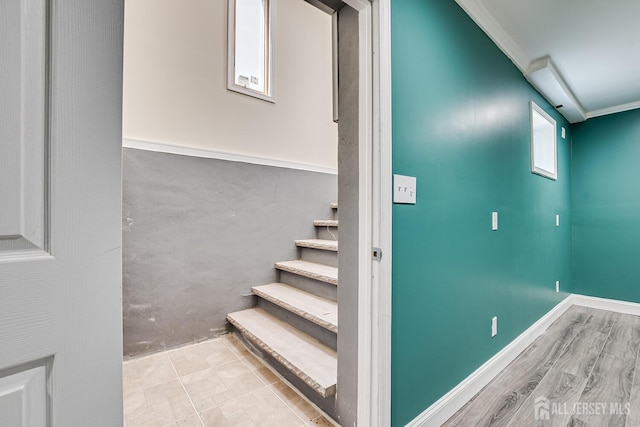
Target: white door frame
{"type": "Point", "coordinates": [374, 287]}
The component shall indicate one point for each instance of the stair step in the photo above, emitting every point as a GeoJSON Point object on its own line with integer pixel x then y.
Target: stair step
{"type": "Point", "coordinates": [312, 362]}
{"type": "Point", "coordinates": [323, 273]}
{"type": "Point", "coordinates": [334, 205]}
{"type": "Point", "coordinates": [325, 222]}
{"type": "Point", "coordinates": [325, 245]}
{"type": "Point", "coordinates": [321, 311]}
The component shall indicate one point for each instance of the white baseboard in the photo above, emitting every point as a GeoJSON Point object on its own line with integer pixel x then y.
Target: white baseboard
{"type": "Point", "coordinates": [450, 403]}
{"type": "Point", "coordinates": [164, 147]}
{"type": "Point", "coordinates": [607, 304]}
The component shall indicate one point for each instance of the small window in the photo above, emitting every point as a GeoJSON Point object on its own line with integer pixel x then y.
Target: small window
{"type": "Point", "coordinates": [544, 159]}
{"type": "Point", "coordinates": [250, 48]}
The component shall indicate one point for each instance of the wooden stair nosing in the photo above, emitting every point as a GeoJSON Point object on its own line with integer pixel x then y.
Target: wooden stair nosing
{"type": "Point", "coordinates": [321, 244]}
{"type": "Point", "coordinates": [323, 273]}
{"type": "Point", "coordinates": [288, 330]}
{"type": "Point", "coordinates": [296, 300]}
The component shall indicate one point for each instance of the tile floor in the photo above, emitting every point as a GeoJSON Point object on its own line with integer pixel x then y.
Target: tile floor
{"type": "Point", "coordinates": [212, 383]}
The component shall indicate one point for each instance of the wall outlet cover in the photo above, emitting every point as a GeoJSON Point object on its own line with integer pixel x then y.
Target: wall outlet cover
{"type": "Point", "coordinates": [494, 326]}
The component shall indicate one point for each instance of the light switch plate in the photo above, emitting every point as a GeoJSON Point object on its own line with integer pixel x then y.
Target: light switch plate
{"type": "Point", "coordinates": [494, 221]}
{"type": "Point", "coordinates": [404, 189]}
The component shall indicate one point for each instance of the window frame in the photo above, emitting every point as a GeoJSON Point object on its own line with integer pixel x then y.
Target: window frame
{"type": "Point", "coordinates": [535, 168]}
{"type": "Point", "coordinates": [269, 96]}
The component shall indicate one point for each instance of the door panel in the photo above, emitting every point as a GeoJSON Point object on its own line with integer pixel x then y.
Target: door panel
{"type": "Point", "coordinates": [60, 209]}
{"type": "Point", "coordinates": [23, 396]}
{"type": "Point", "coordinates": [23, 76]}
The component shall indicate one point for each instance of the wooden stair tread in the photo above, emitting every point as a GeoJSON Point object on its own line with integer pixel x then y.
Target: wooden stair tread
{"type": "Point", "coordinates": [321, 272]}
{"type": "Point", "coordinates": [311, 361]}
{"type": "Point", "coordinates": [325, 245]}
{"type": "Point", "coordinates": [325, 222]}
{"type": "Point", "coordinates": [321, 311]}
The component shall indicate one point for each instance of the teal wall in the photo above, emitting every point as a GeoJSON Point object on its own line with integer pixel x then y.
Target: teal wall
{"type": "Point", "coordinates": [461, 126]}
{"type": "Point", "coordinates": [606, 206]}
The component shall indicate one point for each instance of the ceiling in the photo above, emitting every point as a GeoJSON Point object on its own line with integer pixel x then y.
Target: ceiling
{"type": "Point", "coordinates": [581, 54]}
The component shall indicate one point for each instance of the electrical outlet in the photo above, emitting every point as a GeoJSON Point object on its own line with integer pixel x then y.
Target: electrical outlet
{"type": "Point", "coordinates": [557, 286]}
{"type": "Point", "coordinates": [494, 326]}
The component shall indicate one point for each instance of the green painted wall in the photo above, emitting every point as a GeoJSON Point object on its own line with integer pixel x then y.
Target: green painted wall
{"type": "Point", "coordinates": [606, 206]}
{"type": "Point", "coordinates": [461, 126]}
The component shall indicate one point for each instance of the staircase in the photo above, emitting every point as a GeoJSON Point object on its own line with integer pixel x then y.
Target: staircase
{"type": "Point", "coordinates": [295, 323]}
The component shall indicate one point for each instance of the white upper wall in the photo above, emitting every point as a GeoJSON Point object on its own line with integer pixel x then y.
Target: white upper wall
{"type": "Point", "coordinates": [175, 88]}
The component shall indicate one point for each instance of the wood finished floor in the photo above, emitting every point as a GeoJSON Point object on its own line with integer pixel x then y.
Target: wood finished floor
{"type": "Point", "coordinates": [583, 371]}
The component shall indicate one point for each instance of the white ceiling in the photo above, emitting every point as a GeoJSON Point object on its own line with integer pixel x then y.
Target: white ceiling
{"type": "Point", "coordinates": [594, 45]}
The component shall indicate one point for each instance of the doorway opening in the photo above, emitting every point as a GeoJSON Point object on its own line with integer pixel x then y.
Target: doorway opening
{"type": "Point", "coordinates": [234, 186]}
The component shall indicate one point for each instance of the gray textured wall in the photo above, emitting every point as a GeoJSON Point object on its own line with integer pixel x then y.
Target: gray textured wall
{"type": "Point", "coordinates": [198, 233]}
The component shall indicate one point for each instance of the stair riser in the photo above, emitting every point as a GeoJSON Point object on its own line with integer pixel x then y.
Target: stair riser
{"type": "Point", "coordinates": [323, 335]}
{"type": "Point", "coordinates": [327, 233]}
{"type": "Point", "coordinates": [322, 289]}
{"type": "Point", "coordinates": [327, 404]}
{"type": "Point", "coordinates": [319, 256]}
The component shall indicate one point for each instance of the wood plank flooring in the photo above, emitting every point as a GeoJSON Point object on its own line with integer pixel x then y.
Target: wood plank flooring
{"type": "Point", "coordinates": [583, 371]}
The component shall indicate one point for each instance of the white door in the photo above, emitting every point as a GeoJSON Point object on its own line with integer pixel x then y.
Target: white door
{"type": "Point", "coordinates": [60, 240]}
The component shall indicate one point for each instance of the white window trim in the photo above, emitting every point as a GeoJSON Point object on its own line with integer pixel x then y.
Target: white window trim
{"type": "Point", "coordinates": [231, 50]}
{"type": "Point", "coordinates": [534, 168]}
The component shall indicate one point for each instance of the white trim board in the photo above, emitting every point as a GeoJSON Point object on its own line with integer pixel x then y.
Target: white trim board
{"type": "Point", "coordinates": [163, 147]}
{"type": "Point", "coordinates": [445, 407]}
{"type": "Point", "coordinates": [618, 306]}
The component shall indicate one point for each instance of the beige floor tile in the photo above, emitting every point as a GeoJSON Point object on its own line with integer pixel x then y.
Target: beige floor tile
{"type": "Point", "coordinates": [299, 405]}
{"type": "Point", "coordinates": [133, 399]}
{"type": "Point", "coordinates": [171, 398]}
{"type": "Point", "coordinates": [192, 421]}
{"type": "Point", "coordinates": [214, 417]}
{"type": "Point", "coordinates": [199, 357]}
{"type": "Point", "coordinates": [260, 408]}
{"type": "Point", "coordinates": [158, 415]}
{"type": "Point", "coordinates": [235, 345]}
{"type": "Point", "coordinates": [252, 362]}
{"type": "Point", "coordinates": [220, 384]}
{"type": "Point", "coordinates": [258, 368]}
{"type": "Point", "coordinates": [150, 370]}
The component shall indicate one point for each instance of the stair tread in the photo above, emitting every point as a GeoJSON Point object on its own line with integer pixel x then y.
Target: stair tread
{"type": "Point", "coordinates": [325, 222]}
{"type": "Point", "coordinates": [324, 273]}
{"type": "Point", "coordinates": [314, 308]}
{"type": "Point", "coordinates": [326, 245]}
{"type": "Point", "coordinates": [334, 205]}
{"type": "Point", "coordinates": [310, 360]}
